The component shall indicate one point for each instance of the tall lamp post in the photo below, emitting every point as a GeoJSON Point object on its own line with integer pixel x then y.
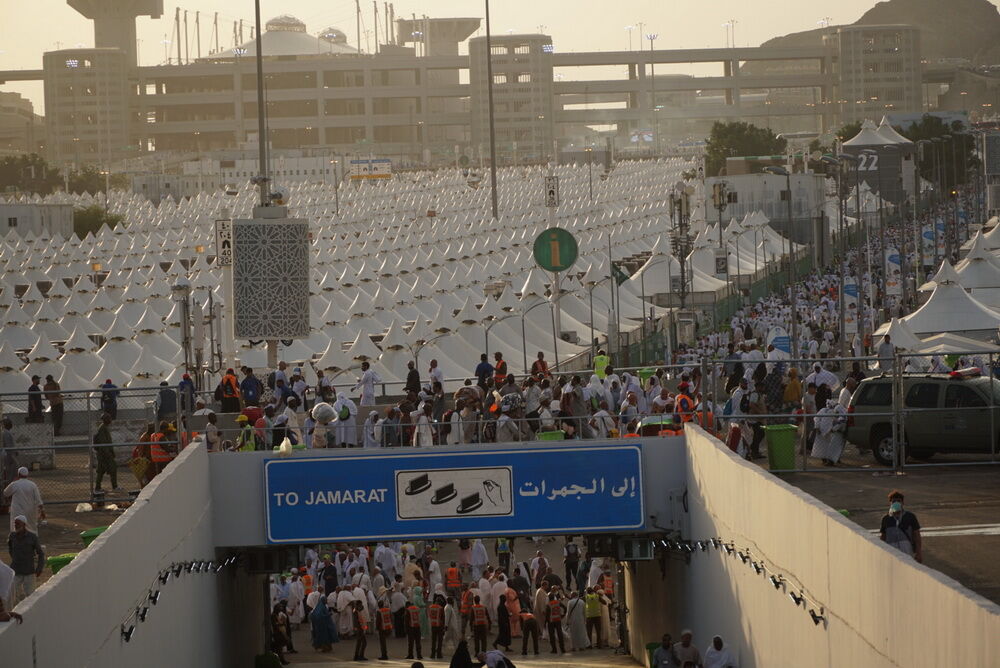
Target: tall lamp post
{"type": "Point", "coordinates": [181, 294]}
{"type": "Point", "coordinates": [792, 291]}
{"type": "Point", "coordinates": [847, 159]}
{"type": "Point", "coordinates": [493, 135]}
{"type": "Point", "coordinates": [590, 170]}
{"type": "Point", "coordinates": [719, 199]}
{"type": "Point", "coordinates": [652, 88]}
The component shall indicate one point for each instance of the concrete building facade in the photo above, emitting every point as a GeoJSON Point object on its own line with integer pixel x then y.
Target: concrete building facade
{"type": "Point", "coordinates": [36, 219]}
{"type": "Point", "coordinates": [879, 70]}
{"type": "Point", "coordinates": [420, 98]}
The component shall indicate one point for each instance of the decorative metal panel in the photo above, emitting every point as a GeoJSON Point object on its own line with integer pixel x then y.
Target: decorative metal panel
{"type": "Point", "coordinates": [271, 279]}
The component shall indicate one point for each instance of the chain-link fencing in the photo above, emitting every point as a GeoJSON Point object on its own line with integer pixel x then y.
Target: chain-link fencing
{"type": "Point", "coordinates": [75, 454]}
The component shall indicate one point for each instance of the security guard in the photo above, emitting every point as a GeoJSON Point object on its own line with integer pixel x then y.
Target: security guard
{"type": "Point", "coordinates": [480, 624]}
{"type": "Point", "coordinates": [383, 622]}
{"type": "Point", "coordinates": [435, 612]}
{"type": "Point", "coordinates": [413, 631]}
{"type": "Point", "coordinates": [601, 362]}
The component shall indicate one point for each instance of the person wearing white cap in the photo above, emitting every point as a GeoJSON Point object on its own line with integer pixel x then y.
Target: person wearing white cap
{"type": "Point", "coordinates": [368, 432]}
{"type": "Point", "coordinates": [24, 499]}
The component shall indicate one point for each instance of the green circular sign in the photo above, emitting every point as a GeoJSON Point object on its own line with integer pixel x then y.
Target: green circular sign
{"type": "Point", "coordinates": [555, 249]}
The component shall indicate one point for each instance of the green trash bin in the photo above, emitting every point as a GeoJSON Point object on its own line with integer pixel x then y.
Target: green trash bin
{"type": "Point", "coordinates": [781, 445]}
{"type": "Point", "coordinates": [645, 374]}
{"type": "Point", "coordinates": [57, 563]}
{"type": "Point", "coordinates": [90, 535]}
{"type": "Point", "coordinates": [651, 648]}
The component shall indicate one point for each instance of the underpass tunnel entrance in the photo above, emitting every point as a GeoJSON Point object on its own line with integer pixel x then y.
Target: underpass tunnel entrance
{"type": "Point", "coordinates": [357, 541]}
{"type": "Point", "coordinates": [420, 597]}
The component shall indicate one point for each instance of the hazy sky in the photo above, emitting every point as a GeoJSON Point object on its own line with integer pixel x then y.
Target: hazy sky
{"type": "Point", "coordinates": [575, 25]}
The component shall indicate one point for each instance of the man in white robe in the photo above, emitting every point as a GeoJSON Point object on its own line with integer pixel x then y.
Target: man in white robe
{"type": "Point", "coordinates": [25, 499]}
{"type": "Point", "coordinates": [479, 559]}
{"type": "Point", "coordinates": [296, 598]}
{"type": "Point", "coordinates": [366, 383]}
{"type": "Point", "coordinates": [344, 601]}
{"type": "Point", "coordinates": [345, 425]}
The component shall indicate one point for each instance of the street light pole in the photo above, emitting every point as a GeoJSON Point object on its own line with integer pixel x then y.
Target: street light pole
{"type": "Point", "coordinates": [493, 136]}
{"type": "Point", "coordinates": [793, 292]}
{"type": "Point", "coordinates": [652, 88]}
{"type": "Point", "coordinates": [590, 171]}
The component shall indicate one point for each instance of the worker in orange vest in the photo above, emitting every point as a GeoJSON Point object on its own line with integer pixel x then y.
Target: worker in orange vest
{"type": "Point", "coordinates": [158, 453]}
{"type": "Point", "coordinates": [608, 584]}
{"type": "Point", "coordinates": [361, 630]}
{"type": "Point", "coordinates": [383, 623]}
{"type": "Point", "coordinates": [465, 607]}
{"type": "Point", "coordinates": [480, 625]}
{"type": "Point", "coordinates": [435, 612]}
{"type": "Point", "coordinates": [529, 629]}
{"type": "Point", "coordinates": [229, 392]}
{"type": "Point", "coordinates": [413, 631]}
{"type": "Point", "coordinates": [499, 370]}
{"type": "Point", "coordinates": [683, 404]}
{"type": "Point", "coordinates": [453, 580]}
{"type": "Point", "coordinates": [553, 620]}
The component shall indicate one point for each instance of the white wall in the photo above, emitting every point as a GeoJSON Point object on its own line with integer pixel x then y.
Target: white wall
{"type": "Point", "coordinates": [74, 620]}
{"type": "Point", "coordinates": [882, 608]}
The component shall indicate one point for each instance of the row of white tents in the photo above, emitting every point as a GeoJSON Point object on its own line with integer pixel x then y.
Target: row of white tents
{"type": "Point", "coordinates": [389, 282]}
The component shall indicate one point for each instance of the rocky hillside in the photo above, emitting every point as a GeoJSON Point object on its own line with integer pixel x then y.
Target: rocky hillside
{"type": "Point", "coordinates": [949, 28]}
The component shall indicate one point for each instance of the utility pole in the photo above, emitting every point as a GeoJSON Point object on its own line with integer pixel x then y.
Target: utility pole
{"type": "Point", "coordinates": [357, 17]}
{"type": "Point", "coordinates": [263, 178]}
{"type": "Point", "coordinates": [493, 137]}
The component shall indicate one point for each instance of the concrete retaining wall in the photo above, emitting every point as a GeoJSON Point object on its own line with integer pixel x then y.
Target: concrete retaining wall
{"type": "Point", "coordinates": [881, 608]}
{"type": "Point", "coordinates": [74, 620]}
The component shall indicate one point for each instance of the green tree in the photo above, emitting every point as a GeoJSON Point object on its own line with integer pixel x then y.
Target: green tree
{"type": "Point", "coordinates": [91, 180]}
{"type": "Point", "coordinates": [849, 131]}
{"type": "Point", "coordinates": [949, 153]}
{"type": "Point", "coordinates": [91, 218]}
{"type": "Point", "coordinates": [28, 173]}
{"type": "Point", "coordinates": [738, 139]}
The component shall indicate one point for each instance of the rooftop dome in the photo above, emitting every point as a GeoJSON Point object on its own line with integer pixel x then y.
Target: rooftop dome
{"type": "Point", "coordinates": [286, 36]}
{"type": "Point", "coordinates": [333, 35]}
{"type": "Point", "coordinates": [285, 23]}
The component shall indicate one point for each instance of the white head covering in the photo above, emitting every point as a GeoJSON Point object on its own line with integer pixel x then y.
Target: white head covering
{"type": "Point", "coordinates": [21, 518]}
{"type": "Point", "coordinates": [23, 472]}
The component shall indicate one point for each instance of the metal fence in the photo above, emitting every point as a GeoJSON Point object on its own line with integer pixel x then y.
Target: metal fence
{"type": "Point", "coordinates": [901, 414]}
{"type": "Point", "coordinates": [53, 435]}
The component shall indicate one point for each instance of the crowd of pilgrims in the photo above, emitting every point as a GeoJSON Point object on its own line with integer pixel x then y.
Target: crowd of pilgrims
{"type": "Point", "coordinates": [704, 381]}
{"type": "Point", "coordinates": [401, 590]}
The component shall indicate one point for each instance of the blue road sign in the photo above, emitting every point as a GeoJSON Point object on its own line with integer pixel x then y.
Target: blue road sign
{"type": "Point", "coordinates": [478, 493]}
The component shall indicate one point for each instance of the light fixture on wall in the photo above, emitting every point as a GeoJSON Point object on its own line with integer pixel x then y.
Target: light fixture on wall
{"type": "Point", "coordinates": [796, 598]}
{"type": "Point", "coordinates": [817, 617]}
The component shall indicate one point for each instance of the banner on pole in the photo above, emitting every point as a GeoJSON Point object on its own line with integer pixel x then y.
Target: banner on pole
{"type": "Point", "coordinates": [850, 306]}
{"type": "Point", "coordinates": [893, 272]}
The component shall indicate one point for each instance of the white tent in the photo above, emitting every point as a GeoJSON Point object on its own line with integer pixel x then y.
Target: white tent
{"type": "Point", "coordinates": [951, 309]}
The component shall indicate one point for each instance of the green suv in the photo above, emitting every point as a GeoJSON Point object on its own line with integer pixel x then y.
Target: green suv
{"type": "Point", "coordinates": [942, 414]}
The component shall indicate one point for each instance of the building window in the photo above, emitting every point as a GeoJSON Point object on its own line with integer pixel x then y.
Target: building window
{"type": "Point", "coordinates": [12, 221]}
{"type": "Point", "coordinates": [732, 197]}
{"type": "Point", "coordinates": [784, 195]}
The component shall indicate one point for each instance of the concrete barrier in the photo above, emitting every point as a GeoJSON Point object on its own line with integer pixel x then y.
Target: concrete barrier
{"type": "Point", "coordinates": [881, 608]}
{"type": "Point", "coordinates": [75, 618]}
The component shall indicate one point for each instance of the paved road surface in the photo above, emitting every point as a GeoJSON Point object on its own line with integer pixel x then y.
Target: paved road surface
{"type": "Point", "coordinates": [958, 506]}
